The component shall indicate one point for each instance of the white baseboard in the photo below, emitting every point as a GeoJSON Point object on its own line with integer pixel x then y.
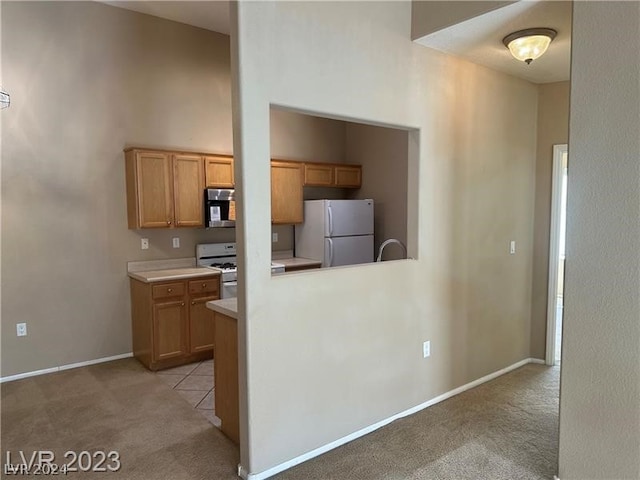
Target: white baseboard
{"type": "Point", "coordinates": [537, 360]}
{"type": "Point", "coordinates": [35, 373]}
{"type": "Point", "coordinates": [242, 472]}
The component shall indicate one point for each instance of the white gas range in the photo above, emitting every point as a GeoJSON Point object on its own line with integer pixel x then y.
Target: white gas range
{"type": "Point", "coordinates": [222, 256]}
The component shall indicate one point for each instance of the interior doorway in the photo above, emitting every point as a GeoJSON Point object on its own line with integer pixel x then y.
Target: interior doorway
{"type": "Point", "coordinates": [557, 238]}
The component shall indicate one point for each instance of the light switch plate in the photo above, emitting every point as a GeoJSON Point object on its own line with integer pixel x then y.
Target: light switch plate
{"type": "Point", "coordinates": [176, 242]}
{"type": "Point", "coordinates": [274, 237]}
{"type": "Point", "coordinates": [21, 329]}
{"type": "Point", "coordinates": [144, 243]}
{"type": "Point", "coordinates": [426, 349]}
{"type": "Point", "coordinates": [512, 247]}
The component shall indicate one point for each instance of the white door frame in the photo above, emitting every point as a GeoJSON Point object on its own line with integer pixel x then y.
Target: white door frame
{"type": "Point", "coordinates": [554, 249]}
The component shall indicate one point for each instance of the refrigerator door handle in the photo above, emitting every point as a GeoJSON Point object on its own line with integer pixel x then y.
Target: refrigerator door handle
{"type": "Point", "coordinates": [330, 251]}
{"type": "Point", "coordinates": [330, 220]}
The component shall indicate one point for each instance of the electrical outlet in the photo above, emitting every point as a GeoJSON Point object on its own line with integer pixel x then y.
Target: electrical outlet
{"type": "Point", "coordinates": [144, 243]}
{"type": "Point", "coordinates": [426, 349]}
{"type": "Point", "coordinates": [21, 329]}
{"type": "Point", "coordinates": [176, 242]}
{"type": "Point", "coordinates": [512, 247]}
{"type": "Point", "coordinates": [274, 237]}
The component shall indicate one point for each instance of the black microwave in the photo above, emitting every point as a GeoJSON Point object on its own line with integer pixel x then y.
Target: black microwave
{"type": "Point", "coordinates": [219, 208]}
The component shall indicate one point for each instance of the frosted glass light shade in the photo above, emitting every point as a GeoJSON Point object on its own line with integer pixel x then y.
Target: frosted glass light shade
{"type": "Point", "coordinates": [527, 45]}
{"type": "Point", "coordinates": [5, 99]}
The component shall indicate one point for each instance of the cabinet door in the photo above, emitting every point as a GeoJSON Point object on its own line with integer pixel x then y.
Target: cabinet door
{"type": "Point", "coordinates": [225, 369]}
{"type": "Point", "coordinates": [201, 325]}
{"type": "Point", "coordinates": [154, 190]}
{"type": "Point", "coordinates": [348, 176]}
{"type": "Point", "coordinates": [169, 330]}
{"type": "Point", "coordinates": [219, 172]}
{"type": "Point", "coordinates": [286, 192]}
{"type": "Point", "coordinates": [318, 175]}
{"type": "Point", "coordinates": [188, 186]}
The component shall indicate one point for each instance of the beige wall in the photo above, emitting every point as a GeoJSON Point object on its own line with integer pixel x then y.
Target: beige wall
{"type": "Point", "coordinates": [600, 385]}
{"type": "Point", "coordinates": [306, 138]}
{"type": "Point", "coordinates": [301, 137]}
{"type": "Point", "coordinates": [87, 80]}
{"type": "Point", "coordinates": [327, 353]}
{"type": "Point", "coordinates": [384, 153]}
{"type": "Point", "coordinates": [553, 128]}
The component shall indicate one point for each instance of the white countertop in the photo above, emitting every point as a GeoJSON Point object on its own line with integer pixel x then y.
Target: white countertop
{"type": "Point", "coordinates": [225, 306]}
{"type": "Point", "coordinates": [298, 262]}
{"type": "Point", "coordinates": [151, 276]}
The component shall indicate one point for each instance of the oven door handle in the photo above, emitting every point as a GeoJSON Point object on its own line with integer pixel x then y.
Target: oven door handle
{"type": "Point", "coordinates": [231, 284]}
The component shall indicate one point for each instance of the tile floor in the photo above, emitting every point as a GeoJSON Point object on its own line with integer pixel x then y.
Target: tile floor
{"type": "Point", "coordinates": [194, 382]}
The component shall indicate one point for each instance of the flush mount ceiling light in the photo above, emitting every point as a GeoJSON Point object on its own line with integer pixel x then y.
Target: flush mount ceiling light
{"type": "Point", "coordinates": [527, 45]}
{"type": "Point", "coordinates": [5, 99]}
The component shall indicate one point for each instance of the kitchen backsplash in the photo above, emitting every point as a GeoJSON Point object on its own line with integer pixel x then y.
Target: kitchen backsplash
{"type": "Point", "coordinates": [285, 237]}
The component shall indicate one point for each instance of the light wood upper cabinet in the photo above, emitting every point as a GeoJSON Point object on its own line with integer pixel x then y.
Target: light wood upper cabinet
{"type": "Point", "coordinates": [164, 189]}
{"type": "Point", "coordinates": [149, 189]}
{"type": "Point", "coordinates": [219, 171]}
{"type": "Point", "coordinates": [286, 192]}
{"type": "Point", "coordinates": [188, 190]}
{"type": "Point", "coordinates": [348, 176]}
{"type": "Point", "coordinates": [332, 175]}
{"type": "Point", "coordinates": [318, 175]}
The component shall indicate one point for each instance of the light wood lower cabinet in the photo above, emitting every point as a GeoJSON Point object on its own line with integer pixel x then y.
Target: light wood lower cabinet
{"type": "Point", "coordinates": [170, 323]}
{"type": "Point", "coordinates": [225, 370]}
{"type": "Point", "coordinates": [170, 330]}
{"type": "Point", "coordinates": [202, 332]}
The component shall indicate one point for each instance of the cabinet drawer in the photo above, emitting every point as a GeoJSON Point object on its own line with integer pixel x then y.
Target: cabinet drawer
{"type": "Point", "coordinates": [168, 290]}
{"type": "Point", "coordinates": [211, 285]}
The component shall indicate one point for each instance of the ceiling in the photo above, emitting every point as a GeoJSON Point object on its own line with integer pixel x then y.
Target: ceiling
{"type": "Point", "coordinates": [478, 40]}
{"type": "Point", "coordinates": [211, 15]}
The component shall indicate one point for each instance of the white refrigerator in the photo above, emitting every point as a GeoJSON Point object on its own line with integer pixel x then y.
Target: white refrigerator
{"type": "Point", "coordinates": [336, 232]}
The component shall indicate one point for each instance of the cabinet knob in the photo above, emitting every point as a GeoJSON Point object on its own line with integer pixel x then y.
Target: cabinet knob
{"type": "Point", "coordinates": [169, 290]}
{"type": "Point", "coordinates": [193, 303]}
{"type": "Point", "coordinates": [204, 285]}
{"type": "Point", "coordinates": [183, 304]}
{"type": "Point", "coordinates": [168, 222]}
